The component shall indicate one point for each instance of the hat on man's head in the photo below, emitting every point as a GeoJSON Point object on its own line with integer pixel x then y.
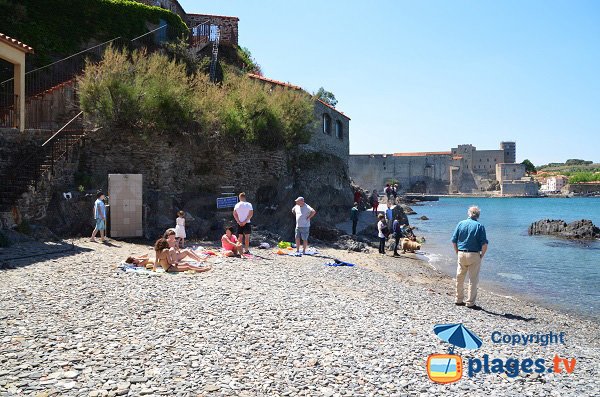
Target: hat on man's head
{"type": "Point", "coordinates": [300, 198]}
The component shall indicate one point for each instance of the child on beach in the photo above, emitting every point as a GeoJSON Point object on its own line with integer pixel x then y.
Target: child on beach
{"type": "Point", "coordinates": [180, 228]}
{"type": "Point", "coordinates": [382, 232]}
{"type": "Point", "coordinates": [230, 244]}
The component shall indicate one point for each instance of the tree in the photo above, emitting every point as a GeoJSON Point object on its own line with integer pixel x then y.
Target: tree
{"type": "Point", "coordinates": [529, 167]}
{"type": "Point", "coordinates": [326, 97]}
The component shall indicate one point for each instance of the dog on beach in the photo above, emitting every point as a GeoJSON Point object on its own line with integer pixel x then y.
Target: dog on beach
{"type": "Point", "coordinates": [410, 246]}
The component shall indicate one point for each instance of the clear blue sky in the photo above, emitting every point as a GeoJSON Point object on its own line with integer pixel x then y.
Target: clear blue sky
{"type": "Point", "coordinates": [428, 75]}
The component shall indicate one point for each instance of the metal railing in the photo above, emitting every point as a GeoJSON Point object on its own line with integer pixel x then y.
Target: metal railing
{"type": "Point", "coordinates": [32, 165]}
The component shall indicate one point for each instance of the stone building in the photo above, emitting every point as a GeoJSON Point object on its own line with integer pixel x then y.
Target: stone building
{"type": "Point", "coordinates": [228, 26]}
{"type": "Point", "coordinates": [509, 172]}
{"type": "Point", "coordinates": [463, 169]}
{"type": "Point", "coordinates": [331, 128]}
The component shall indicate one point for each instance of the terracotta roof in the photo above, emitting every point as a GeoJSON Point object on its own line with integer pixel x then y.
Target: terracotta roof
{"type": "Point", "coordinates": [294, 87]}
{"type": "Point", "coordinates": [216, 16]}
{"type": "Point", "coordinates": [457, 158]}
{"type": "Point", "coordinates": [332, 108]}
{"type": "Point", "coordinates": [421, 154]}
{"type": "Point", "coordinates": [15, 43]}
{"type": "Point", "coordinates": [281, 83]}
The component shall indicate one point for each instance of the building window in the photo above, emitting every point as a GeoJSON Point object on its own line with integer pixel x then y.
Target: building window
{"type": "Point", "coordinates": [326, 124]}
{"type": "Point", "coordinates": [339, 130]}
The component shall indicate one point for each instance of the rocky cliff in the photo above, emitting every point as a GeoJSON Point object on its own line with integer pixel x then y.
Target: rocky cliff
{"type": "Point", "coordinates": [583, 229]}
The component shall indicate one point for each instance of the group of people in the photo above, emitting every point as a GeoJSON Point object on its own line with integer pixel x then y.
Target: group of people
{"type": "Point", "coordinates": [170, 251]}
{"type": "Point", "coordinates": [469, 240]}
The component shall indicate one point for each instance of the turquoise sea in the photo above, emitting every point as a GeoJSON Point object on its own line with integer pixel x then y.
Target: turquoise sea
{"type": "Point", "coordinates": [554, 272]}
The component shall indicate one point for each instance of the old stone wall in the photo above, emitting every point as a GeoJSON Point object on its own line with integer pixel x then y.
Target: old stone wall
{"type": "Point", "coordinates": [519, 188]}
{"type": "Point", "coordinates": [228, 26]}
{"type": "Point", "coordinates": [183, 173]}
{"type": "Point", "coordinates": [374, 171]}
{"type": "Point", "coordinates": [584, 188]}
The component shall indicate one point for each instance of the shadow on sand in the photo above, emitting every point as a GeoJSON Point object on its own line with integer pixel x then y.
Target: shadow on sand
{"type": "Point", "coordinates": [509, 316]}
{"type": "Point", "coordinates": [21, 255]}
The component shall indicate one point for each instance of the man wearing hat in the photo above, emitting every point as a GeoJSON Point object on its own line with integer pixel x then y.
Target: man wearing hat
{"type": "Point", "coordinates": [304, 213]}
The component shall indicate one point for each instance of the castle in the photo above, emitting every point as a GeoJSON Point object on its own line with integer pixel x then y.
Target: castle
{"type": "Point", "coordinates": [463, 169]}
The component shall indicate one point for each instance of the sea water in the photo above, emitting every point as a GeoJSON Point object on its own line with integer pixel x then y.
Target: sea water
{"type": "Point", "coordinates": [555, 272]}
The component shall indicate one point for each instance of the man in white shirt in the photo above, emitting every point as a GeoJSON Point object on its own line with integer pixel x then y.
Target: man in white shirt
{"type": "Point", "coordinates": [304, 213]}
{"type": "Point", "coordinates": [243, 212]}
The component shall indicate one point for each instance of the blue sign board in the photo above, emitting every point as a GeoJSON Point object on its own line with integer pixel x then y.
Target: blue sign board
{"type": "Point", "coordinates": [226, 202]}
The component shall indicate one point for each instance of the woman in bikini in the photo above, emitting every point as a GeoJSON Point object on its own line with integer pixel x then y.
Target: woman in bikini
{"type": "Point", "coordinates": [166, 257]}
{"type": "Point", "coordinates": [180, 253]}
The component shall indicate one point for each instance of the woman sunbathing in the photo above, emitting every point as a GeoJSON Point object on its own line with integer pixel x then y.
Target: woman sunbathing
{"type": "Point", "coordinates": [140, 261]}
{"type": "Point", "coordinates": [167, 256]}
{"type": "Point", "coordinates": [180, 253]}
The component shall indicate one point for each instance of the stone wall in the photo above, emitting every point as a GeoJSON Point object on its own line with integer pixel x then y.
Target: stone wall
{"type": "Point", "coordinates": [335, 139]}
{"type": "Point", "coordinates": [519, 188]}
{"type": "Point", "coordinates": [183, 173]}
{"type": "Point", "coordinates": [509, 172]}
{"type": "Point", "coordinates": [374, 171]}
{"type": "Point", "coordinates": [228, 26]}
{"type": "Point", "coordinates": [584, 188]}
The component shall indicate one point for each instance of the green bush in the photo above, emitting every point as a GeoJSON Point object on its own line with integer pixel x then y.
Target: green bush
{"type": "Point", "coordinates": [578, 177]}
{"type": "Point", "coordinates": [64, 26]}
{"type": "Point", "coordinates": [153, 93]}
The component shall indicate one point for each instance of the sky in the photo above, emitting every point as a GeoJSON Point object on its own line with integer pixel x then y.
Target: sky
{"type": "Point", "coordinates": [429, 75]}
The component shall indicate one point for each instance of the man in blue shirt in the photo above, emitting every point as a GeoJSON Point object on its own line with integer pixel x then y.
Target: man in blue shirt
{"type": "Point", "coordinates": [100, 217]}
{"type": "Point", "coordinates": [470, 244]}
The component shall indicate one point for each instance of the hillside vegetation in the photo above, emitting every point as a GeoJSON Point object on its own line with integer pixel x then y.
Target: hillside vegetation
{"type": "Point", "coordinates": [61, 27]}
{"type": "Point", "coordinates": [577, 170]}
{"type": "Point", "coordinates": [153, 93]}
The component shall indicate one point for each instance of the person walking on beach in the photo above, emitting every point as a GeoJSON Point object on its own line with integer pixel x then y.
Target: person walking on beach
{"type": "Point", "coordinates": [304, 213]}
{"type": "Point", "coordinates": [100, 217]}
{"type": "Point", "coordinates": [374, 201]}
{"type": "Point", "coordinates": [243, 213]}
{"type": "Point", "coordinates": [470, 244]}
{"type": "Point", "coordinates": [354, 217]}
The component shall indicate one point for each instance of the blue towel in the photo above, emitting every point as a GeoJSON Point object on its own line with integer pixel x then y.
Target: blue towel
{"type": "Point", "coordinates": [339, 263]}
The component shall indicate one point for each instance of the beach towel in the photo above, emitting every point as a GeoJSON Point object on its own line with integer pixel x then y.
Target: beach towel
{"type": "Point", "coordinates": [337, 262]}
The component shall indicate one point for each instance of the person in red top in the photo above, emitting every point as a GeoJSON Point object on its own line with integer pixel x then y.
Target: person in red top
{"type": "Point", "coordinates": [230, 244]}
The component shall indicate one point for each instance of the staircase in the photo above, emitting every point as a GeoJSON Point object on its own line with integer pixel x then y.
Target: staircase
{"type": "Point", "coordinates": [215, 54]}
{"type": "Point", "coordinates": [29, 170]}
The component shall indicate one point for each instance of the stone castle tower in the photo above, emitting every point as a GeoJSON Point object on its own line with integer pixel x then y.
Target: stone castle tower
{"type": "Point", "coordinates": [510, 151]}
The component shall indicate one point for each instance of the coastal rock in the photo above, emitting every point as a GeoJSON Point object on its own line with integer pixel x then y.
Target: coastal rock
{"type": "Point", "coordinates": [424, 218]}
{"type": "Point", "coordinates": [408, 210]}
{"type": "Point", "coordinates": [583, 229]}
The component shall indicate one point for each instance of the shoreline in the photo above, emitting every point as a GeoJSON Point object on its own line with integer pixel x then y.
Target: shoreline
{"type": "Point", "coordinates": [501, 291]}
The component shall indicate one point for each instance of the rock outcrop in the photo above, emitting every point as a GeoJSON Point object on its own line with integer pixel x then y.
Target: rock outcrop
{"type": "Point", "coordinates": [583, 229]}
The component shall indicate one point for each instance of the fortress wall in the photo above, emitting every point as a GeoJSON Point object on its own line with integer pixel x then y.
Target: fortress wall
{"type": "Point", "coordinates": [374, 171]}
{"type": "Point", "coordinates": [486, 160]}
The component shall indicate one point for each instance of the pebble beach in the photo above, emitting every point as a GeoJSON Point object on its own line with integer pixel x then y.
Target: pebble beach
{"type": "Point", "coordinates": [73, 324]}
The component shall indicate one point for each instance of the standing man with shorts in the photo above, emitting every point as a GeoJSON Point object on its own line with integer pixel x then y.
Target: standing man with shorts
{"type": "Point", "coordinates": [243, 212]}
{"type": "Point", "coordinates": [304, 213]}
{"type": "Point", "coordinates": [100, 217]}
